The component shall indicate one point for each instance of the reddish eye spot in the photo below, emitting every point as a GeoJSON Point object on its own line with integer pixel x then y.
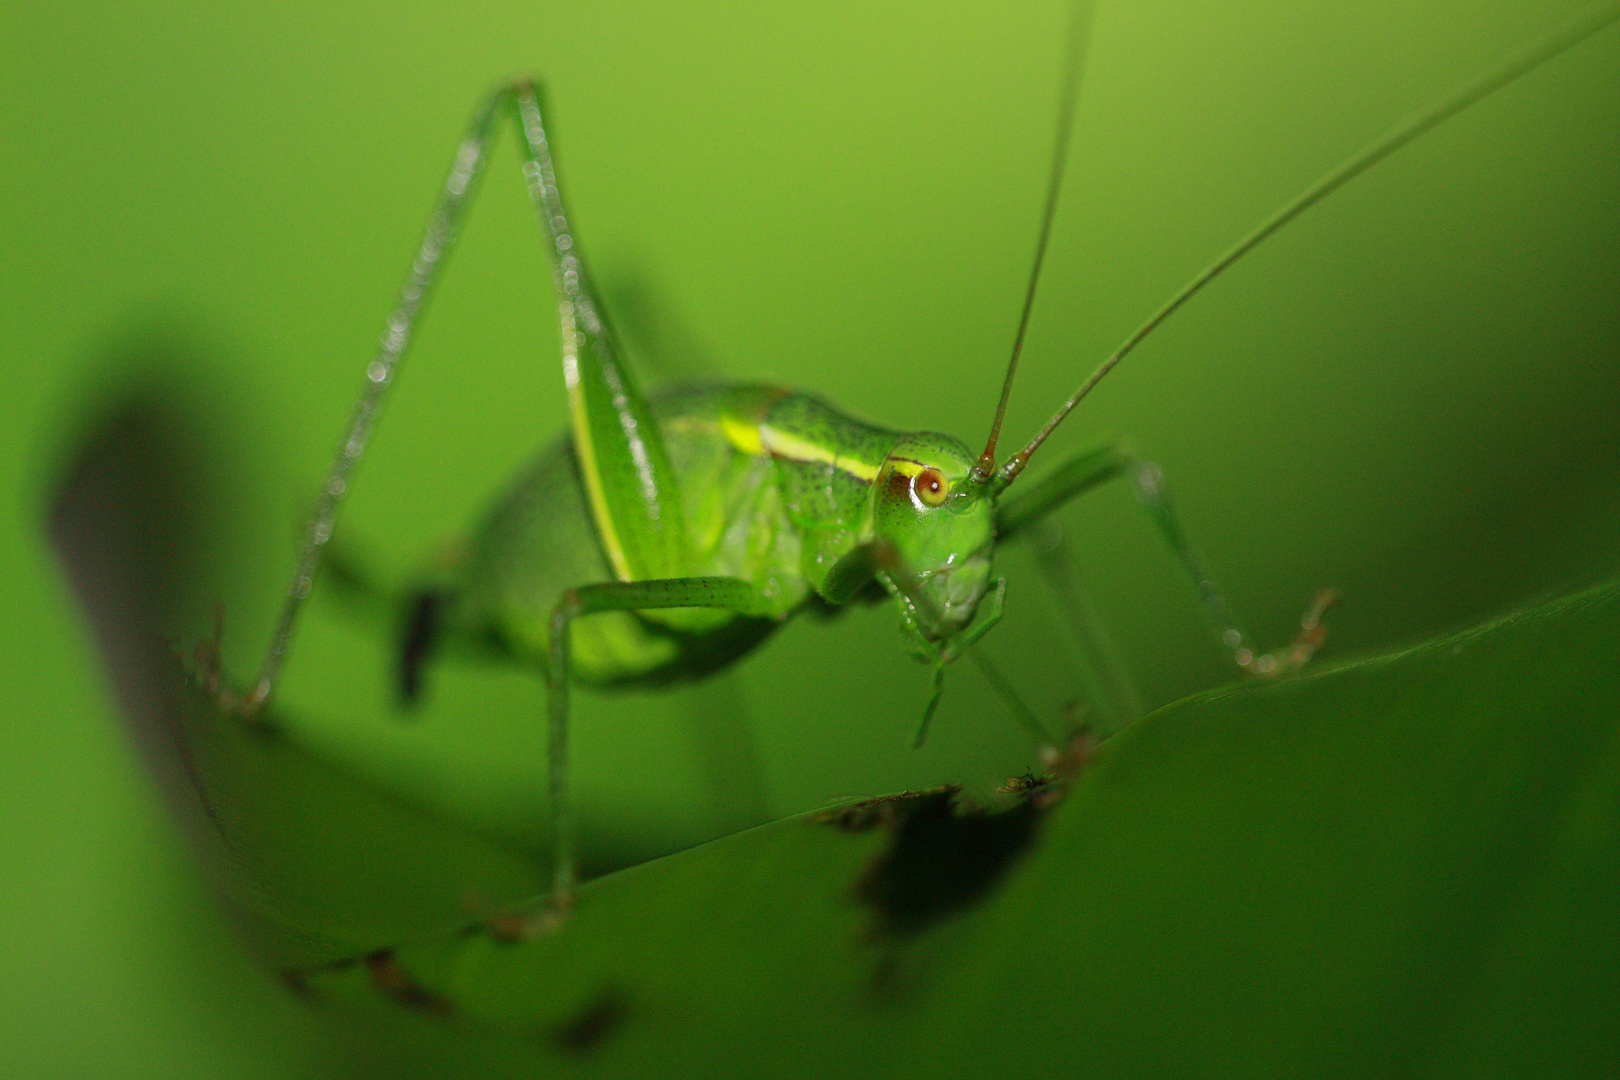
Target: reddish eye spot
{"type": "Point", "coordinates": [931, 487]}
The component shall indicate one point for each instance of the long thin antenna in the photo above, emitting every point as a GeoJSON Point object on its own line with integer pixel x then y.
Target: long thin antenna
{"type": "Point", "coordinates": [1510, 69]}
{"type": "Point", "coordinates": [1073, 62]}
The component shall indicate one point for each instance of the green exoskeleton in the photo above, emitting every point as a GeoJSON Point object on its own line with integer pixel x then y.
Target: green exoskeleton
{"type": "Point", "coordinates": [664, 538]}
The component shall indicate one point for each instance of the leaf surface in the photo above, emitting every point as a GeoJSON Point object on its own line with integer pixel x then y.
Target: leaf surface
{"type": "Point", "coordinates": [1409, 864]}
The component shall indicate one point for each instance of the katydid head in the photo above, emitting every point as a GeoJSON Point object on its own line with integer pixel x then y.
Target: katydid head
{"type": "Point", "coordinates": [940, 529]}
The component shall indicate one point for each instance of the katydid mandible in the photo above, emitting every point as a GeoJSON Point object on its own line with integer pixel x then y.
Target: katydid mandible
{"type": "Point", "coordinates": [664, 538]}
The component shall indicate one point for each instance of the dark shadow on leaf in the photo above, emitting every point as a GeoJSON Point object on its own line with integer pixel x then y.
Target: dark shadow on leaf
{"type": "Point", "coordinates": [941, 858]}
{"type": "Point", "coordinates": [125, 524]}
{"type": "Point", "coordinates": [310, 861]}
{"type": "Point", "coordinates": [599, 1019]}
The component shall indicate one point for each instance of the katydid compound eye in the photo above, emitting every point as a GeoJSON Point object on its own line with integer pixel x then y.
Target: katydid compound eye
{"type": "Point", "coordinates": [931, 487]}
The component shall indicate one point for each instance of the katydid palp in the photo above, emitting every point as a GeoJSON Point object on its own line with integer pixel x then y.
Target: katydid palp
{"type": "Point", "coordinates": [679, 531]}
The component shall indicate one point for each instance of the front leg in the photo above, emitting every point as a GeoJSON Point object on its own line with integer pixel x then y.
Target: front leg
{"type": "Point", "coordinates": [730, 594]}
{"type": "Point", "coordinates": [1089, 468]}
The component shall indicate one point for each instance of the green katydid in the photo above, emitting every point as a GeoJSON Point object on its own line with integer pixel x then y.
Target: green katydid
{"type": "Point", "coordinates": [665, 538]}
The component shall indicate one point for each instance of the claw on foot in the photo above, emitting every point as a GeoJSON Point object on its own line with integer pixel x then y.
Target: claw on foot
{"type": "Point", "coordinates": [517, 926]}
{"type": "Point", "coordinates": [207, 674]}
{"type": "Point", "coordinates": [1307, 642]}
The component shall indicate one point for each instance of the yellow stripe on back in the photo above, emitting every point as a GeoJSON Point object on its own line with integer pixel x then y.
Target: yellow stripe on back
{"type": "Point", "coordinates": [743, 435]}
{"type": "Point", "coordinates": [784, 444]}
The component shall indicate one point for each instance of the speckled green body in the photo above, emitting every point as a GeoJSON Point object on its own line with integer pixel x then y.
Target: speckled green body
{"type": "Point", "coordinates": [774, 489]}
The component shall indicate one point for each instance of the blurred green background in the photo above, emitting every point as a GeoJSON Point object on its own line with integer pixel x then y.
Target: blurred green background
{"type": "Point", "coordinates": [1409, 395]}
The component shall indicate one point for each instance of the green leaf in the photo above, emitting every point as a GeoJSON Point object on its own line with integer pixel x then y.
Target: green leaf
{"type": "Point", "coordinates": [311, 861]}
{"type": "Point", "coordinates": [1409, 864]}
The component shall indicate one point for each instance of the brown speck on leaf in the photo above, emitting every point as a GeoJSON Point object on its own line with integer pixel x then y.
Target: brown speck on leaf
{"type": "Point", "coordinates": [1023, 785]}
{"type": "Point", "coordinates": [297, 982]}
{"type": "Point", "coordinates": [512, 927]}
{"type": "Point", "coordinates": [591, 1025]}
{"type": "Point", "coordinates": [393, 981]}
{"type": "Point", "coordinates": [1060, 766]}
